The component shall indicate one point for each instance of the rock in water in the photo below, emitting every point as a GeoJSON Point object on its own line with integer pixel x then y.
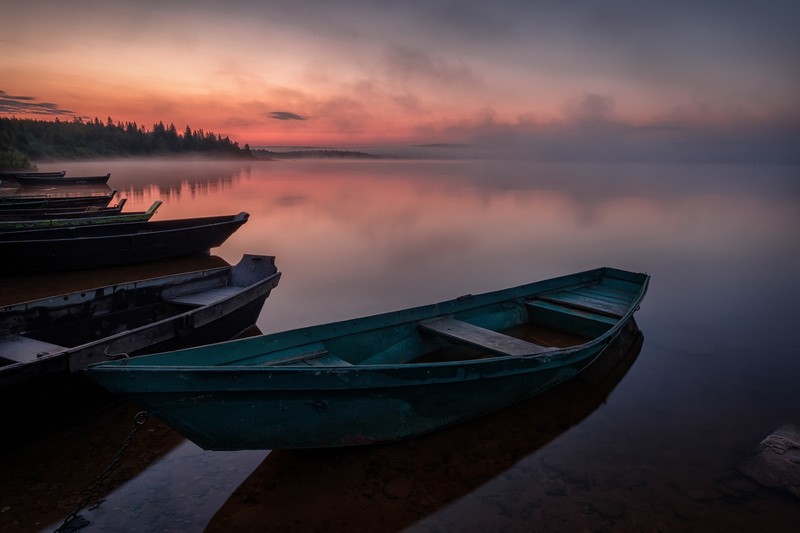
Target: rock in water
{"type": "Point", "coordinates": [777, 463]}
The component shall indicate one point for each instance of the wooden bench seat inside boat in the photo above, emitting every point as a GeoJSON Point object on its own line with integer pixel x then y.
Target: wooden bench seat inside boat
{"type": "Point", "coordinates": [562, 317]}
{"type": "Point", "coordinates": [462, 332]}
{"type": "Point", "coordinates": [313, 357]}
{"type": "Point", "coordinates": [22, 349]}
{"type": "Point", "coordinates": [588, 301]}
{"type": "Point", "coordinates": [206, 297]}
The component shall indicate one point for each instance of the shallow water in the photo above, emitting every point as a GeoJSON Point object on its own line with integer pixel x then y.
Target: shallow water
{"type": "Point", "coordinates": [716, 373]}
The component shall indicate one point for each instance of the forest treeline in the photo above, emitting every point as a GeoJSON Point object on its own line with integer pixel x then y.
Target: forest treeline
{"type": "Point", "coordinates": [26, 140]}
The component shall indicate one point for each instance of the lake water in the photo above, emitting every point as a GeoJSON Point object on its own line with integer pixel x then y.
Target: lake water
{"type": "Point", "coordinates": [716, 373]}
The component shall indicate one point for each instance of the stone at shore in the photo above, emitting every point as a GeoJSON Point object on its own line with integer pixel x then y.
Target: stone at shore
{"type": "Point", "coordinates": [777, 463]}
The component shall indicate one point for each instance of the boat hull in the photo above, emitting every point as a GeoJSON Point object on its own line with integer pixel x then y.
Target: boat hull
{"type": "Point", "coordinates": [101, 245]}
{"type": "Point", "coordinates": [18, 201]}
{"type": "Point", "coordinates": [61, 212]}
{"type": "Point", "coordinates": [40, 179]}
{"type": "Point", "coordinates": [357, 407]}
{"type": "Point", "coordinates": [71, 220]}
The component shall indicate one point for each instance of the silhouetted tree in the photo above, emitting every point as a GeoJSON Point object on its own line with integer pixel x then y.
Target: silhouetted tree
{"type": "Point", "coordinates": [36, 139]}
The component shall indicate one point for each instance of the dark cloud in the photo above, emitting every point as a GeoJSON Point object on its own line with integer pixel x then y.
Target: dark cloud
{"type": "Point", "coordinates": [27, 105]}
{"type": "Point", "coordinates": [589, 132]}
{"type": "Point", "coordinates": [408, 62]}
{"type": "Point", "coordinates": [286, 115]}
{"type": "Point", "coordinates": [591, 108]}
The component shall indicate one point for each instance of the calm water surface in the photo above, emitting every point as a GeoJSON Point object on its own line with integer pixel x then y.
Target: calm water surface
{"type": "Point", "coordinates": [656, 451]}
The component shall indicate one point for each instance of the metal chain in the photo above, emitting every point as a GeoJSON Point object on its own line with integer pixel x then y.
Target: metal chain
{"type": "Point", "coordinates": [138, 422]}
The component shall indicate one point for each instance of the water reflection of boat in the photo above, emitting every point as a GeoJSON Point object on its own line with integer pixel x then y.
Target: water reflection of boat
{"type": "Point", "coordinates": [98, 245]}
{"type": "Point", "coordinates": [391, 487]}
{"type": "Point", "coordinates": [66, 332]}
{"type": "Point", "coordinates": [71, 219]}
{"type": "Point", "coordinates": [385, 377]}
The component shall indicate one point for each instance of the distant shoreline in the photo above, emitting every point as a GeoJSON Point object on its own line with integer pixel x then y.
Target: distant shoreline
{"type": "Point", "coordinates": [261, 153]}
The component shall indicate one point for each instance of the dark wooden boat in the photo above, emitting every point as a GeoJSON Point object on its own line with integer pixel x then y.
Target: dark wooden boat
{"type": "Point", "coordinates": [61, 212]}
{"type": "Point", "coordinates": [55, 178]}
{"type": "Point", "coordinates": [55, 221]}
{"type": "Point", "coordinates": [384, 377]}
{"type": "Point", "coordinates": [48, 201]}
{"type": "Point", "coordinates": [7, 186]}
{"type": "Point", "coordinates": [32, 174]}
{"type": "Point", "coordinates": [67, 332]}
{"type": "Point", "coordinates": [100, 245]}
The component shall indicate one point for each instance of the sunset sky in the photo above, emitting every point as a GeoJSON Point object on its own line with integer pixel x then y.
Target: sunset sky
{"type": "Point", "coordinates": [413, 72]}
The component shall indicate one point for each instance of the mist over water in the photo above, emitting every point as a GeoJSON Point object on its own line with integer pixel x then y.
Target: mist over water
{"type": "Point", "coordinates": [715, 375]}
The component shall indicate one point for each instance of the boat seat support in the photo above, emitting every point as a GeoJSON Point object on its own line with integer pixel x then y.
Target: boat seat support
{"type": "Point", "coordinates": [25, 349]}
{"type": "Point", "coordinates": [207, 297]}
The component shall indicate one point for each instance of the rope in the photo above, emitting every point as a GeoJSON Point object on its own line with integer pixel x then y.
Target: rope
{"type": "Point", "coordinates": [138, 422]}
{"type": "Point", "coordinates": [117, 355]}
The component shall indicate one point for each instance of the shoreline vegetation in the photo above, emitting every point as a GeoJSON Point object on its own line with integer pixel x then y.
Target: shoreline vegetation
{"type": "Point", "coordinates": [23, 141]}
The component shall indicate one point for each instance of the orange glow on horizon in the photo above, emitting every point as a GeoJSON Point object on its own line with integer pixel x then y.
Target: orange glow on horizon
{"type": "Point", "coordinates": [354, 76]}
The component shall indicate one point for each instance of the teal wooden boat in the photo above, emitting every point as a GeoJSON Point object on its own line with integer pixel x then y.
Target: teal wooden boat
{"type": "Point", "coordinates": [383, 377]}
{"type": "Point", "coordinates": [57, 221]}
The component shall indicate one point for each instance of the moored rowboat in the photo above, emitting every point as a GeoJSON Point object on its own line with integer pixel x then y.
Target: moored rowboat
{"type": "Point", "coordinates": [31, 213]}
{"type": "Point", "coordinates": [100, 245]}
{"type": "Point", "coordinates": [54, 178]}
{"type": "Point", "coordinates": [69, 331]}
{"type": "Point", "coordinates": [90, 217]}
{"type": "Point", "coordinates": [46, 201]}
{"type": "Point", "coordinates": [32, 174]}
{"type": "Point", "coordinates": [384, 377]}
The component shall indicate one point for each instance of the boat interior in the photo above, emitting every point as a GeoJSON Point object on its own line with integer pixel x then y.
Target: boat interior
{"type": "Point", "coordinates": [520, 327]}
{"type": "Point", "coordinates": [32, 332]}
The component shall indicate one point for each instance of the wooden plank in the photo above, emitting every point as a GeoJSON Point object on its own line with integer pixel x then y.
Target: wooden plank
{"type": "Point", "coordinates": [302, 357]}
{"type": "Point", "coordinates": [629, 287]}
{"type": "Point", "coordinates": [586, 303]}
{"type": "Point", "coordinates": [582, 313]}
{"type": "Point", "coordinates": [25, 349]}
{"type": "Point", "coordinates": [207, 297]}
{"type": "Point", "coordinates": [482, 338]}
{"type": "Point", "coordinates": [604, 293]}
{"type": "Point", "coordinates": [569, 319]}
{"type": "Point", "coordinates": [326, 360]}
{"type": "Point", "coordinates": [189, 284]}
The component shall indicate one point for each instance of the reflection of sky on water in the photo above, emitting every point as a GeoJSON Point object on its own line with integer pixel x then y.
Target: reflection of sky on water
{"type": "Point", "coordinates": [721, 242]}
